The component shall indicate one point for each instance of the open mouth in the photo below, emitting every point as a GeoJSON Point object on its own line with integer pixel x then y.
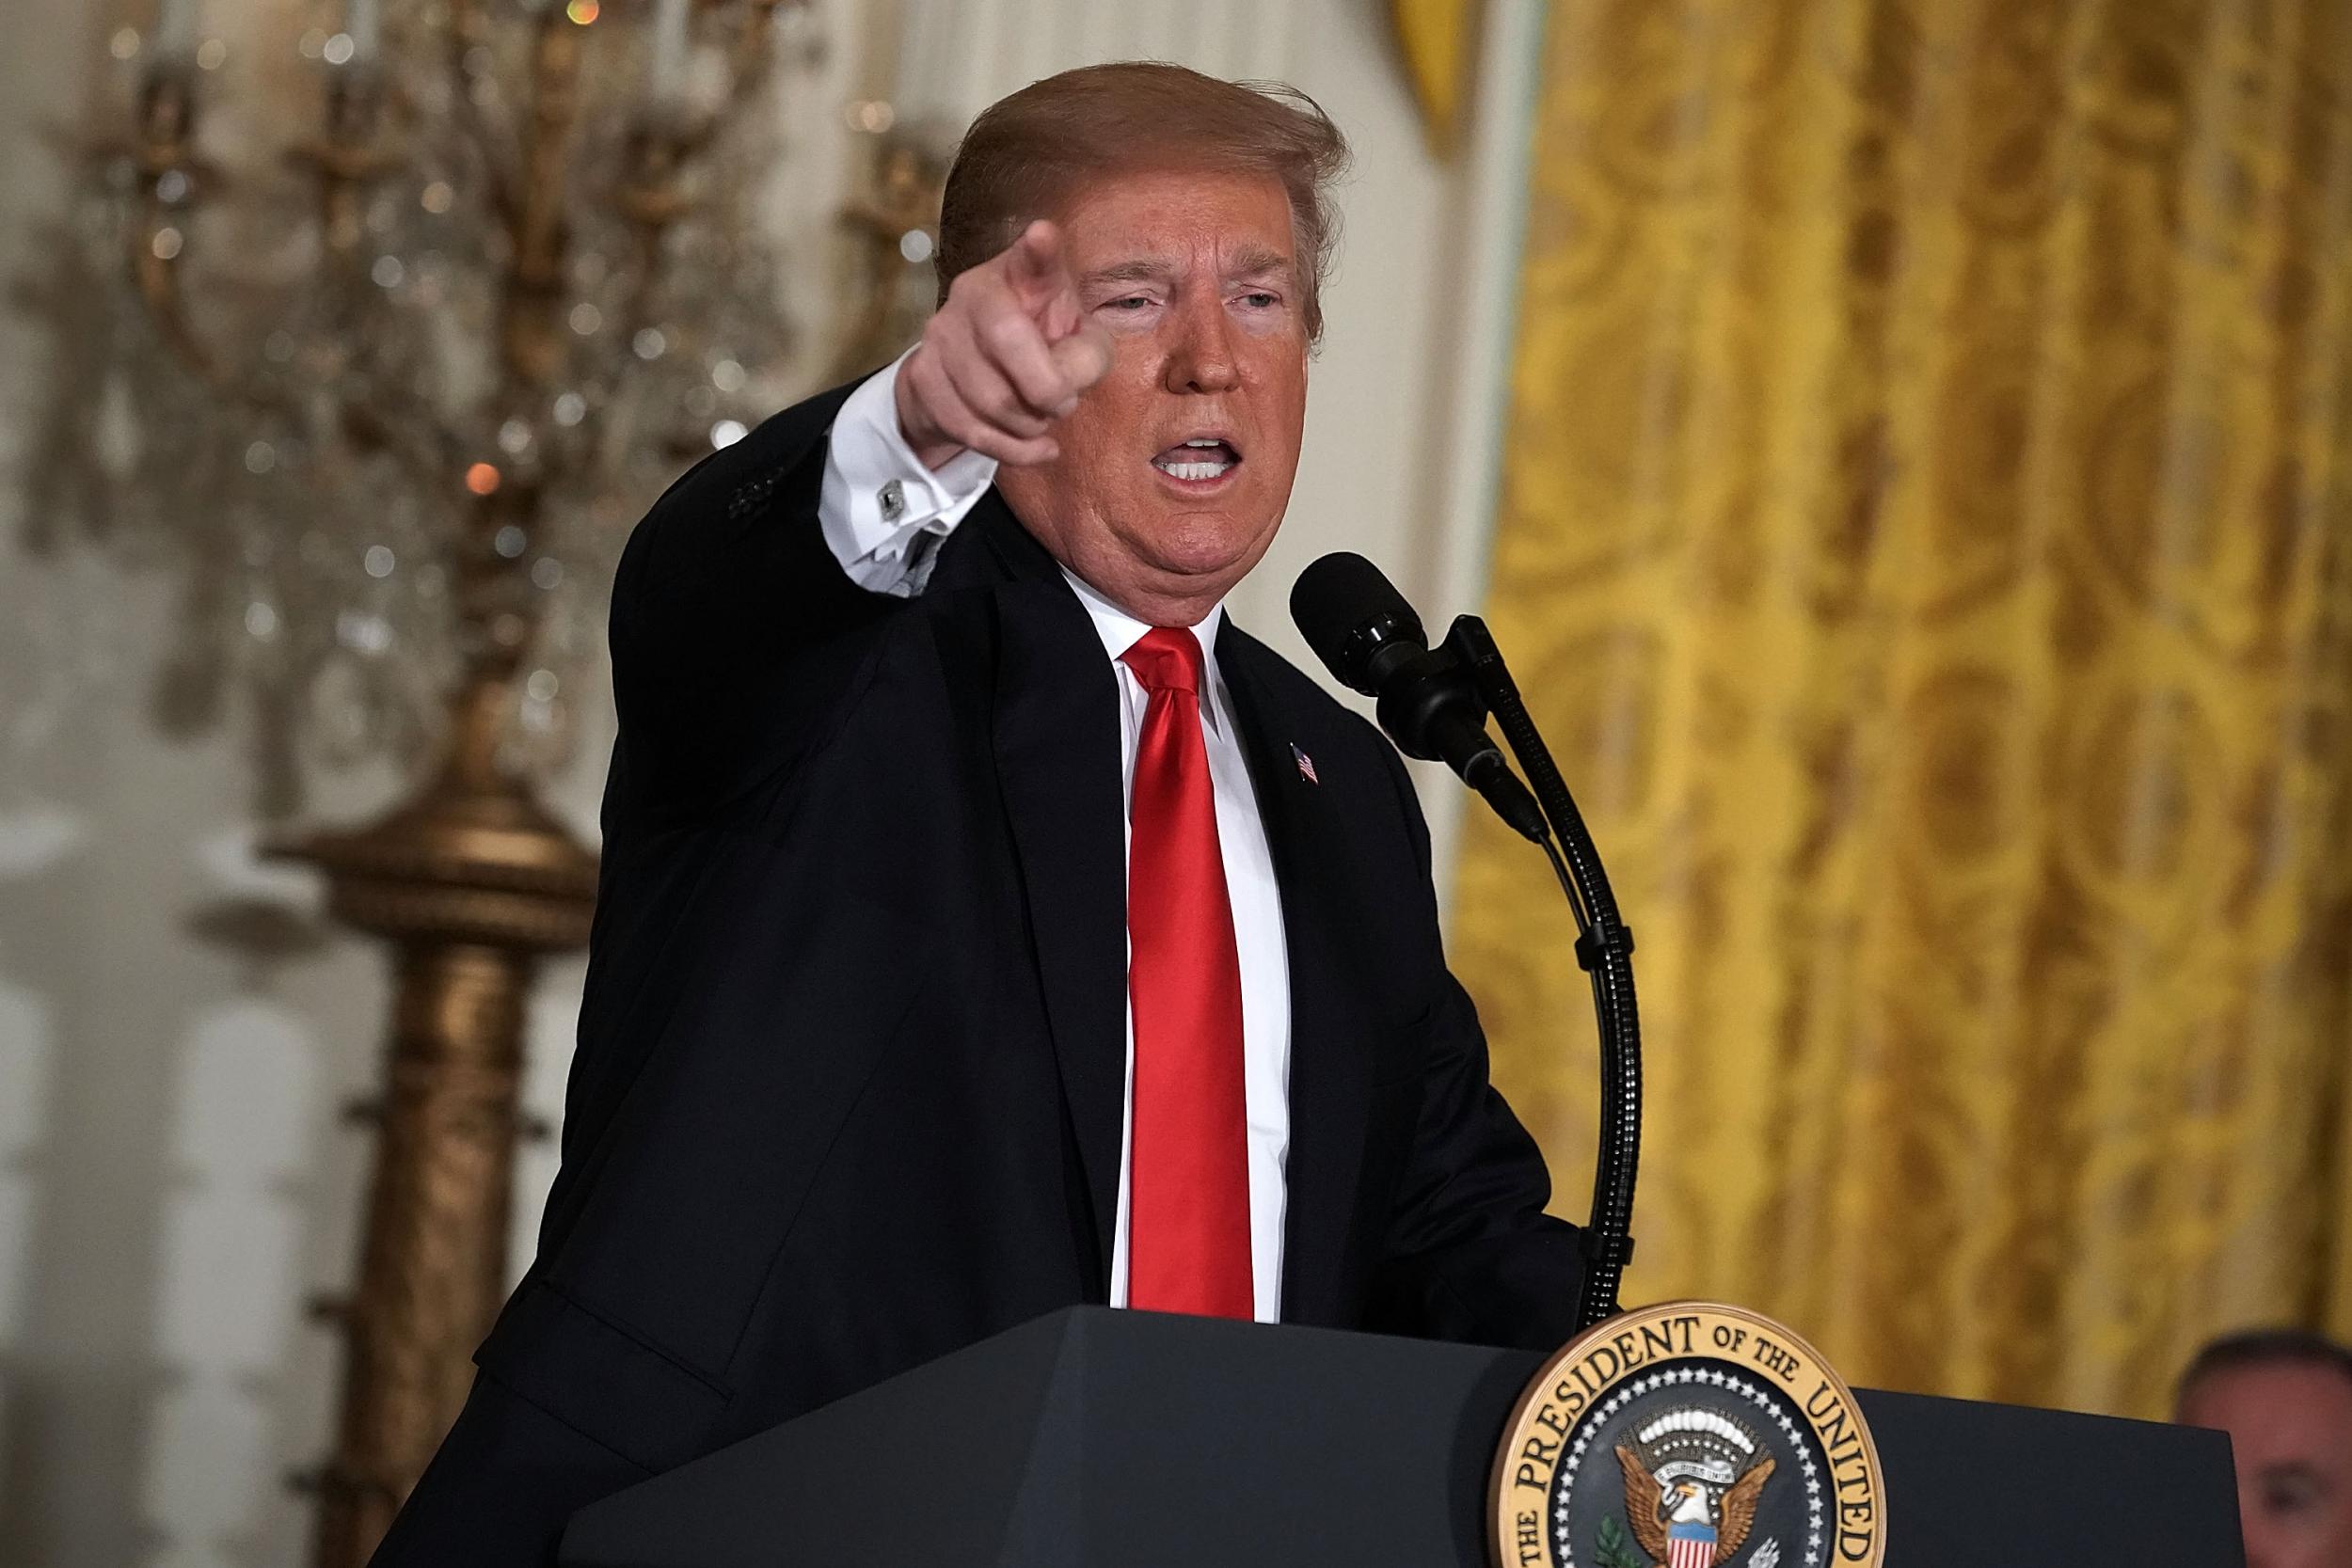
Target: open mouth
{"type": "Point", "coordinates": [1202, 461]}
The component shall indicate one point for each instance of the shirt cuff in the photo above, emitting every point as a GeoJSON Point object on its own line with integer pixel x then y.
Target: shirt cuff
{"type": "Point", "coordinates": [883, 514]}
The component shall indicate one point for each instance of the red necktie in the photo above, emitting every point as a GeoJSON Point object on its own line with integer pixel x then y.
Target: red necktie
{"type": "Point", "coordinates": [1188, 1165]}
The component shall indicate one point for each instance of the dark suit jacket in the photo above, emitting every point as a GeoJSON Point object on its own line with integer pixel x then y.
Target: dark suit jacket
{"type": "Point", "coordinates": [851, 1051]}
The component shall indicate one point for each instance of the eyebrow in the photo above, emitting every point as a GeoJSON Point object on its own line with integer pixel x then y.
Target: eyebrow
{"type": "Point", "coordinates": [2301, 1471]}
{"type": "Point", "coordinates": [1252, 261]}
{"type": "Point", "coordinates": [1257, 261]}
{"type": "Point", "coordinates": [1145, 270]}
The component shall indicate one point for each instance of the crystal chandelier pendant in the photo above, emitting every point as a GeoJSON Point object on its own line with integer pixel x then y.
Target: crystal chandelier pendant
{"type": "Point", "coordinates": [388, 409]}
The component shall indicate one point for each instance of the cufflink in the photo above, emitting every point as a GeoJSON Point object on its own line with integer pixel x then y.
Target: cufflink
{"type": "Point", "coordinates": [893, 497]}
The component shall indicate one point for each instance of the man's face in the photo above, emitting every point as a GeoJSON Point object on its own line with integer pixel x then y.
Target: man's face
{"type": "Point", "coordinates": [1175, 467]}
{"type": "Point", "coordinates": [2291, 1426]}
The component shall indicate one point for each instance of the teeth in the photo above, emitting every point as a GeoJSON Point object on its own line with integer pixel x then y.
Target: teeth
{"type": "Point", "coordinates": [1214, 458]}
{"type": "Point", "coordinates": [1195, 470]}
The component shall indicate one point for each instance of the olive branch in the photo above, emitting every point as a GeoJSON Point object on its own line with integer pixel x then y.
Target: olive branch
{"type": "Point", "coordinates": [1611, 1547]}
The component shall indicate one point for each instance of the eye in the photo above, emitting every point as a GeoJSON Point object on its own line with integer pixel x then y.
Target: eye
{"type": "Point", "coordinates": [1128, 302]}
{"type": "Point", "coordinates": [1261, 300]}
{"type": "Point", "coordinates": [2289, 1494]}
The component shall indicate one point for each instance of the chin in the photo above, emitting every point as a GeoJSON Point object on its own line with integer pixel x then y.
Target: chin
{"type": "Point", "coordinates": [1203, 544]}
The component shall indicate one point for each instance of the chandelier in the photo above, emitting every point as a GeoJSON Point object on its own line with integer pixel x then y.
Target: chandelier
{"type": "Point", "coordinates": [384, 414]}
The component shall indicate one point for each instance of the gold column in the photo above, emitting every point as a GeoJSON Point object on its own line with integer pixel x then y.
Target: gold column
{"type": "Point", "coordinates": [469, 885]}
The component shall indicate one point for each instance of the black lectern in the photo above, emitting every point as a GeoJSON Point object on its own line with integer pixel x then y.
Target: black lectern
{"type": "Point", "coordinates": [1101, 1440]}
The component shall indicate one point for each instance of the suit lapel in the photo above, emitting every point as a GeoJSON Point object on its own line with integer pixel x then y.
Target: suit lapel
{"type": "Point", "coordinates": [1056, 735]}
{"type": "Point", "coordinates": [1329, 1086]}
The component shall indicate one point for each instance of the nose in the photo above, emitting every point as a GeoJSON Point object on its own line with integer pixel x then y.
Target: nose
{"type": "Point", "coordinates": [1200, 352]}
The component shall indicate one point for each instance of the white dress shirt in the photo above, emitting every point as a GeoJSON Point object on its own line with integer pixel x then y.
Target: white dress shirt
{"type": "Point", "coordinates": [884, 514]}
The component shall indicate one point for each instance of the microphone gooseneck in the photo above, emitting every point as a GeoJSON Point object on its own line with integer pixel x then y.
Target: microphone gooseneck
{"type": "Point", "coordinates": [1433, 704]}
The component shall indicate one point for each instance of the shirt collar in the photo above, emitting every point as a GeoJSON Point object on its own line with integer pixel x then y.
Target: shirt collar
{"type": "Point", "coordinates": [1120, 632]}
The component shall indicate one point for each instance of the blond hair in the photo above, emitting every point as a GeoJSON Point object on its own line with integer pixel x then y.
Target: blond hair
{"type": "Point", "coordinates": [1027, 153]}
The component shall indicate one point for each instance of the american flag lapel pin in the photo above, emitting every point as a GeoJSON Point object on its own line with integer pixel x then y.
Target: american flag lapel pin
{"type": "Point", "coordinates": [1305, 764]}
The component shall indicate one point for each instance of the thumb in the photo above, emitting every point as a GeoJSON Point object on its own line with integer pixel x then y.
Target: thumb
{"type": "Point", "coordinates": [1084, 356]}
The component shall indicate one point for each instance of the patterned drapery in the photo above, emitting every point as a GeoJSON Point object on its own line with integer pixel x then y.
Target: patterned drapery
{"type": "Point", "coordinates": [1924, 535]}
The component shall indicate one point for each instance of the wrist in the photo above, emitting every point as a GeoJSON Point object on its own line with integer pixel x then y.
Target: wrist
{"type": "Point", "coordinates": [932, 447]}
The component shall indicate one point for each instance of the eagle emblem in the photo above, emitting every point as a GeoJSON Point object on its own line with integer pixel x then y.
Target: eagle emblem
{"type": "Point", "coordinates": [1688, 1434]}
{"type": "Point", "coordinates": [1692, 1480]}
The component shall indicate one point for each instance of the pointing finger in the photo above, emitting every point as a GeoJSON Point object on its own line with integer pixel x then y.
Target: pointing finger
{"type": "Point", "coordinates": [1061, 315]}
{"type": "Point", "coordinates": [961, 423]}
{"type": "Point", "coordinates": [1034, 265]}
{"type": "Point", "coordinates": [1022, 352]}
{"type": "Point", "coordinates": [983, 387]}
{"type": "Point", "coordinates": [1084, 356]}
{"type": "Point", "coordinates": [1036, 253]}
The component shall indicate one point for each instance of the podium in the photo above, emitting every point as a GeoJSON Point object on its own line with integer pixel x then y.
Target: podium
{"type": "Point", "coordinates": [1095, 1438]}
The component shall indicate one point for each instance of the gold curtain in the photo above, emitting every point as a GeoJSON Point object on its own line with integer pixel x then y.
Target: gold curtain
{"type": "Point", "coordinates": [1435, 40]}
{"type": "Point", "coordinates": [1924, 536]}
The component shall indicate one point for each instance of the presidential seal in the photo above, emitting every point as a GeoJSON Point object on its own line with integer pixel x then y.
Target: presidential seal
{"type": "Point", "coordinates": [1687, 1435]}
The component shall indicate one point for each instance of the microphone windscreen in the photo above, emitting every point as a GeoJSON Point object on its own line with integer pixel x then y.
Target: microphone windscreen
{"type": "Point", "coordinates": [1348, 610]}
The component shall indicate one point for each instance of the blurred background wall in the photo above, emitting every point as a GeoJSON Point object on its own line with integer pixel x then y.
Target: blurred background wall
{"type": "Point", "coordinates": [1910, 437]}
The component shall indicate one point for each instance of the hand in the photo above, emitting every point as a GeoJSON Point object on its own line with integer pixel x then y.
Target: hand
{"type": "Point", "coordinates": [1004, 361]}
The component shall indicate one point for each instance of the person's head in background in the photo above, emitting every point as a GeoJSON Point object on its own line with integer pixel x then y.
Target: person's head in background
{"type": "Point", "coordinates": [2285, 1398]}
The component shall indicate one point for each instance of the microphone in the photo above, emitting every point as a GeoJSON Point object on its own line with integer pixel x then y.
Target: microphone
{"type": "Point", "coordinates": [1370, 640]}
{"type": "Point", "coordinates": [1434, 705]}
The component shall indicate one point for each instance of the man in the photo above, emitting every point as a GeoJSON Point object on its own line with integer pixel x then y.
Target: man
{"type": "Point", "coordinates": [988, 925]}
{"type": "Point", "coordinates": [2285, 1398]}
